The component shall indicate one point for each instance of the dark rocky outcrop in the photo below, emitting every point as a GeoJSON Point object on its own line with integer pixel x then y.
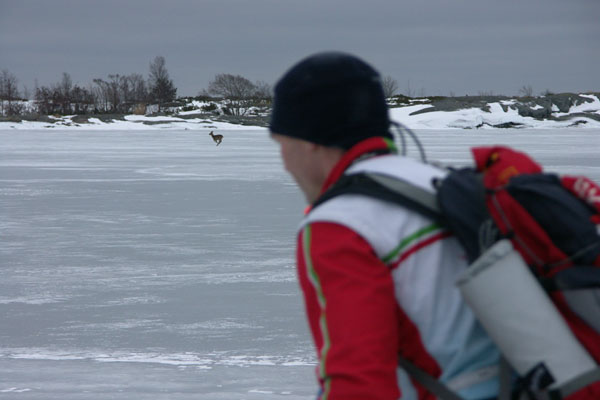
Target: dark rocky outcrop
{"type": "Point", "coordinates": [543, 107]}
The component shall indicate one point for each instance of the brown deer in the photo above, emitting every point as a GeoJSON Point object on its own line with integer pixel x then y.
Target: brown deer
{"type": "Point", "coordinates": [216, 138]}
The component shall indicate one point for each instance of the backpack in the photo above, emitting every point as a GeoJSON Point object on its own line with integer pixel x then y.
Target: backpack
{"type": "Point", "coordinates": [507, 202]}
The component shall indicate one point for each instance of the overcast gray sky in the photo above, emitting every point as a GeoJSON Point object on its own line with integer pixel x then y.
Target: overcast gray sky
{"type": "Point", "coordinates": [433, 47]}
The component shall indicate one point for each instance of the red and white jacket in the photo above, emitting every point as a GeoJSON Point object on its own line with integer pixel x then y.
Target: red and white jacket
{"type": "Point", "coordinates": [378, 281]}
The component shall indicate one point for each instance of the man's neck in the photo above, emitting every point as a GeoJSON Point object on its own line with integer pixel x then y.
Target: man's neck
{"type": "Point", "coordinates": [367, 148]}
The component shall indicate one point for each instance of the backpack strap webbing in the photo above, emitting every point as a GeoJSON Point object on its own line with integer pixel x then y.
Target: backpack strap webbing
{"type": "Point", "coordinates": [443, 392]}
{"type": "Point", "coordinates": [574, 385]}
{"type": "Point", "coordinates": [505, 380]}
{"type": "Point", "coordinates": [430, 383]}
{"type": "Point", "coordinates": [387, 188]}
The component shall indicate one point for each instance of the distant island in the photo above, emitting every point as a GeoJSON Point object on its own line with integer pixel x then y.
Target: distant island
{"type": "Point", "coordinates": [465, 112]}
{"type": "Point", "coordinates": [129, 101]}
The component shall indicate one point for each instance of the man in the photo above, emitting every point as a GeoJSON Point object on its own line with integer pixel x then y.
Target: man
{"type": "Point", "coordinates": [378, 279]}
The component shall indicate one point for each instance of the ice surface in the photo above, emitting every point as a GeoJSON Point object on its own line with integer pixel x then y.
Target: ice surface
{"type": "Point", "coordinates": [151, 264]}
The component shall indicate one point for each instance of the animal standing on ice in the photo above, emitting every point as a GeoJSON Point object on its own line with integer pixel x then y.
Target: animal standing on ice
{"type": "Point", "coordinates": [216, 138]}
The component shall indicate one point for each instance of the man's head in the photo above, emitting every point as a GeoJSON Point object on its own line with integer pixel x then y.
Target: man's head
{"type": "Point", "coordinates": [332, 99]}
{"type": "Point", "coordinates": [323, 106]}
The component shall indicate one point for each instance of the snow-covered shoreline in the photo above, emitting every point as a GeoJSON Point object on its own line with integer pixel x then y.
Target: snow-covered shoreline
{"type": "Point", "coordinates": [498, 113]}
{"type": "Point", "coordinates": [130, 122]}
{"type": "Point", "coordinates": [504, 113]}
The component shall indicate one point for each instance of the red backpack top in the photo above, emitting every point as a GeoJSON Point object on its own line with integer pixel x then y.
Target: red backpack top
{"type": "Point", "coordinates": [554, 223]}
{"type": "Point", "coordinates": [554, 220]}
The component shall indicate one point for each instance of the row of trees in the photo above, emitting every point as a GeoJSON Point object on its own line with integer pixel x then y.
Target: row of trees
{"type": "Point", "coordinates": [125, 93]}
{"type": "Point", "coordinates": [128, 93]}
{"type": "Point", "coordinates": [117, 94]}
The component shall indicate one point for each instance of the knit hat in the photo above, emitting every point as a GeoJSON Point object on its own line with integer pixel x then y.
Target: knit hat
{"type": "Point", "coordinates": [333, 99]}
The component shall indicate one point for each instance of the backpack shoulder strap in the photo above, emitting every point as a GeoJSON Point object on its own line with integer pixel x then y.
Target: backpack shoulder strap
{"type": "Point", "coordinates": [386, 188]}
{"type": "Point", "coordinates": [433, 385]}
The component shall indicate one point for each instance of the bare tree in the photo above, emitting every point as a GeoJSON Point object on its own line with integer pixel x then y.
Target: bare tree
{"type": "Point", "coordinates": [120, 93]}
{"type": "Point", "coordinates": [138, 90]}
{"type": "Point", "coordinates": [231, 86]}
{"type": "Point", "coordinates": [26, 93]}
{"type": "Point", "coordinates": [8, 92]}
{"type": "Point", "coordinates": [101, 92]}
{"type": "Point", "coordinates": [547, 92]}
{"type": "Point", "coordinates": [526, 91]}
{"type": "Point", "coordinates": [2, 90]}
{"type": "Point", "coordinates": [66, 84]}
{"type": "Point", "coordinates": [410, 92]}
{"type": "Point", "coordinates": [82, 99]}
{"type": "Point", "coordinates": [109, 92]}
{"type": "Point", "coordinates": [161, 86]}
{"type": "Point", "coordinates": [63, 90]}
{"type": "Point", "coordinates": [43, 99]}
{"type": "Point", "coordinates": [63, 97]}
{"type": "Point", "coordinates": [263, 91]}
{"type": "Point", "coordinates": [236, 89]}
{"type": "Point", "coordinates": [390, 86]}
{"type": "Point", "coordinates": [114, 92]}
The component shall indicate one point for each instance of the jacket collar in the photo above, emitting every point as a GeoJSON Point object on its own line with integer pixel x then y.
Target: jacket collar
{"type": "Point", "coordinates": [368, 148]}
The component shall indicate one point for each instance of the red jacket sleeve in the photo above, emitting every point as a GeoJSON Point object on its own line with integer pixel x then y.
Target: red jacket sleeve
{"type": "Point", "coordinates": [350, 304]}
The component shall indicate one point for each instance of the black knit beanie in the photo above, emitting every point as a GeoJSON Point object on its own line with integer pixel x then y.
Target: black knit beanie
{"type": "Point", "coordinates": [333, 99]}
